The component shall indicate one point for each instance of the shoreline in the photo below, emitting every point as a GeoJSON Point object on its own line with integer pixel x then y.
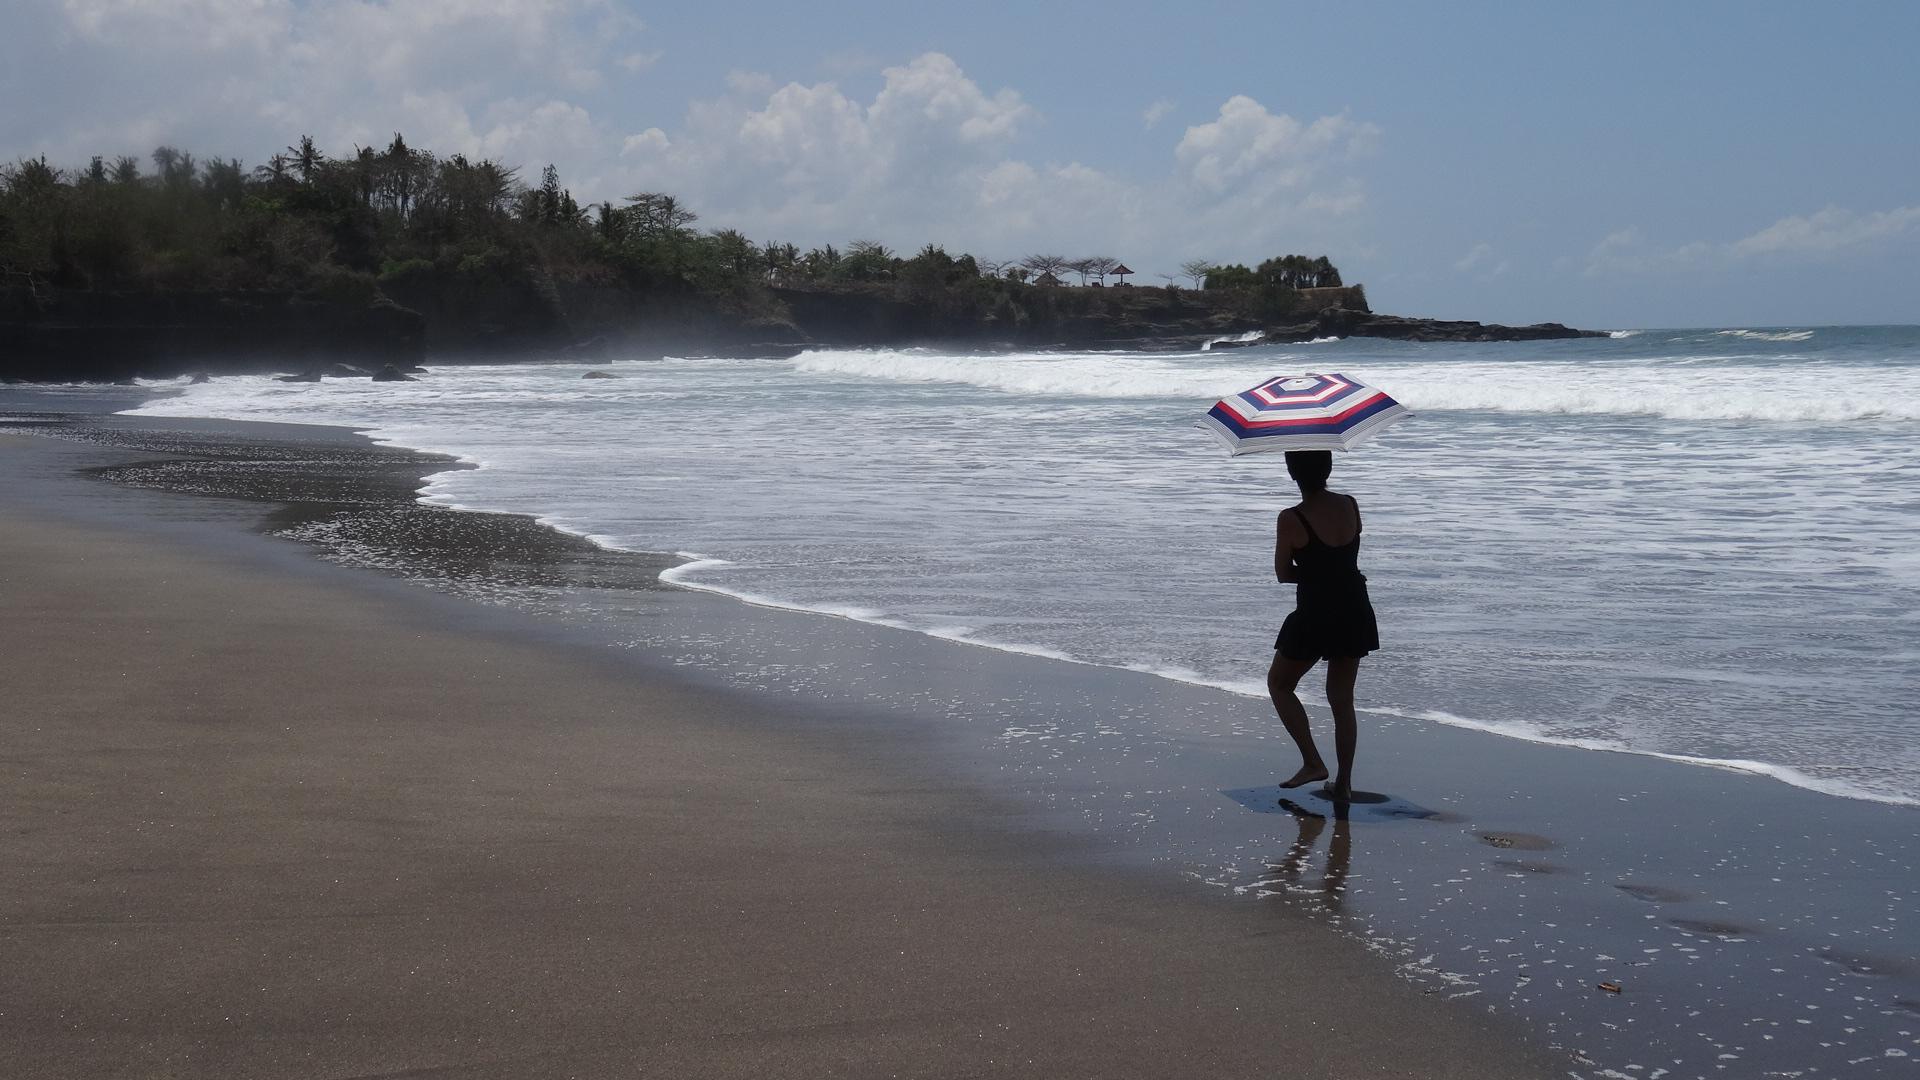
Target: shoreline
{"type": "Point", "coordinates": [1071, 787]}
{"type": "Point", "coordinates": [491, 852]}
{"type": "Point", "coordinates": [691, 563]}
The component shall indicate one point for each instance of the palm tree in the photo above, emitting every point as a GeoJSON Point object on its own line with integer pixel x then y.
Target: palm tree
{"type": "Point", "coordinates": [275, 172]}
{"type": "Point", "coordinates": [736, 253]}
{"type": "Point", "coordinates": [307, 159]}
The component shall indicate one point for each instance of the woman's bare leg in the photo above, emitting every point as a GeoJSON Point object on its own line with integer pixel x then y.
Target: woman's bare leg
{"type": "Point", "coordinates": [1282, 677]}
{"type": "Point", "coordinates": [1341, 674]}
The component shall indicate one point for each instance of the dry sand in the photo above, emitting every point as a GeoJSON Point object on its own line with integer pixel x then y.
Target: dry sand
{"type": "Point", "coordinates": [267, 825]}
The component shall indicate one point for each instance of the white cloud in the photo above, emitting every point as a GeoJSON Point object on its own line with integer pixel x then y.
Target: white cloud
{"type": "Point", "coordinates": [1626, 251]}
{"type": "Point", "coordinates": [1248, 143]}
{"type": "Point", "coordinates": [1155, 113]}
{"type": "Point", "coordinates": [929, 154]}
{"type": "Point", "coordinates": [641, 61]}
{"type": "Point", "coordinates": [246, 76]}
{"type": "Point", "coordinates": [1482, 261]}
{"type": "Point", "coordinates": [934, 156]}
{"type": "Point", "coordinates": [1828, 232]}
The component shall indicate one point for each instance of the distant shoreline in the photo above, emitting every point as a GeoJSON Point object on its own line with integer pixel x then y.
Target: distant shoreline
{"type": "Point", "coordinates": [56, 336]}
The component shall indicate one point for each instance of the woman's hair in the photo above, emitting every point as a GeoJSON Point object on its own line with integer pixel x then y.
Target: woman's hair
{"type": "Point", "coordinates": [1310, 469]}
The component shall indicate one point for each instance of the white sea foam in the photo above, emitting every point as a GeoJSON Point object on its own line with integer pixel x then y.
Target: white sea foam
{"type": "Point", "coordinates": [1251, 335]}
{"type": "Point", "coordinates": [1618, 334]}
{"type": "Point", "coordinates": [943, 494]}
{"type": "Point", "coordinates": [1768, 335]}
{"type": "Point", "coordinates": [1712, 390]}
{"type": "Point", "coordinates": [1531, 733]}
{"type": "Point", "coordinates": [1087, 375]}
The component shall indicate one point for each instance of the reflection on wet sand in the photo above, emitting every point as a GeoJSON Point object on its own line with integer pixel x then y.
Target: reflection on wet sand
{"type": "Point", "coordinates": [1333, 879]}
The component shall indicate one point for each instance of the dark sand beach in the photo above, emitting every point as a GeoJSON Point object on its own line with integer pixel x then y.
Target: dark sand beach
{"type": "Point", "coordinates": [464, 794]}
{"type": "Point", "coordinates": [265, 816]}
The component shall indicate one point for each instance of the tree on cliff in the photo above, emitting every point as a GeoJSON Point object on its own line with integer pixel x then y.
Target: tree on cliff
{"type": "Point", "coordinates": [1197, 269]}
{"type": "Point", "coordinates": [307, 159]}
{"type": "Point", "coordinates": [1045, 265]}
{"type": "Point", "coordinates": [867, 260]}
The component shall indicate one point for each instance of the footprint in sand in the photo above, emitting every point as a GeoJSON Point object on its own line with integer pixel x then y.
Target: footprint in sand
{"type": "Point", "coordinates": [1517, 841]}
{"type": "Point", "coordinates": [1653, 894]}
{"type": "Point", "coordinates": [1527, 866]}
{"type": "Point", "coordinates": [1712, 927]}
{"type": "Point", "coordinates": [1864, 963]}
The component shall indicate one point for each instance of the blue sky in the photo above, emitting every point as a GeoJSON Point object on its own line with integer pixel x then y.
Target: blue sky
{"type": "Point", "coordinates": [1605, 165]}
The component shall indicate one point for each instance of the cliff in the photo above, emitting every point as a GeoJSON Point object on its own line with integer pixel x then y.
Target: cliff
{"type": "Point", "coordinates": [88, 336]}
{"type": "Point", "coordinates": [55, 335]}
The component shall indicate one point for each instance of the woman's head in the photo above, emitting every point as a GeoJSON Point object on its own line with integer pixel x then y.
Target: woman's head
{"type": "Point", "coordinates": [1310, 469]}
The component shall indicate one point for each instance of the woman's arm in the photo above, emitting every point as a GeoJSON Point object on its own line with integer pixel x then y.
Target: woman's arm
{"type": "Point", "coordinates": [1287, 537]}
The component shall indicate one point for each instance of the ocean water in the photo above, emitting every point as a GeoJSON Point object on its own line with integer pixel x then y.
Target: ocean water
{"type": "Point", "coordinates": [1690, 543]}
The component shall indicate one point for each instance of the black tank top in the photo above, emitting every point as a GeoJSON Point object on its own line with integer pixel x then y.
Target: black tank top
{"type": "Point", "coordinates": [1320, 564]}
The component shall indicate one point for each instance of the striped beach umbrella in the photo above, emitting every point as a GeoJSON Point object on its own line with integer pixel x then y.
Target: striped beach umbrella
{"type": "Point", "coordinates": [1302, 412]}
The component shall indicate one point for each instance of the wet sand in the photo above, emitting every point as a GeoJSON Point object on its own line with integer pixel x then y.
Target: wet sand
{"type": "Point", "coordinates": [270, 817]}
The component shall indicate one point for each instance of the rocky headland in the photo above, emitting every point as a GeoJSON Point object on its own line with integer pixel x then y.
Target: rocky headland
{"type": "Point", "coordinates": [80, 335]}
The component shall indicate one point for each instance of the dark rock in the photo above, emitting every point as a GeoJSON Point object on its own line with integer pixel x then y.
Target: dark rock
{"type": "Point", "coordinates": [392, 374]}
{"type": "Point", "coordinates": [346, 371]}
{"type": "Point", "coordinates": [1404, 329]}
{"type": "Point", "coordinates": [1341, 323]}
{"type": "Point", "coordinates": [199, 377]}
{"type": "Point", "coordinates": [64, 335]}
{"type": "Point", "coordinates": [599, 375]}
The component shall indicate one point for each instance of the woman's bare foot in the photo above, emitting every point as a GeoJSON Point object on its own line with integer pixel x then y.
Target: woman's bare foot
{"type": "Point", "coordinates": [1340, 791]}
{"type": "Point", "coordinates": [1307, 775]}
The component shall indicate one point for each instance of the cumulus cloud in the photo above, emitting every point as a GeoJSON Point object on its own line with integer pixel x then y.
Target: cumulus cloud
{"type": "Point", "coordinates": [930, 154]}
{"type": "Point", "coordinates": [1155, 113]}
{"type": "Point", "coordinates": [933, 155]}
{"type": "Point", "coordinates": [1247, 142]}
{"type": "Point", "coordinates": [491, 77]}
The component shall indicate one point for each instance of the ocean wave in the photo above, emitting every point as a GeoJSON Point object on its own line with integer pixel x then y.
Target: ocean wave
{"type": "Point", "coordinates": [1528, 733]}
{"type": "Point", "coordinates": [1092, 375]}
{"type": "Point", "coordinates": [1618, 334]}
{"type": "Point", "coordinates": [1767, 335]}
{"type": "Point", "coordinates": [1662, 387]}
{"type": "Point", "coordinates": [682, 576]}
{"type": "Point", "coordinates": [1704, 394]}
{"type": "Point", "coordinates": [1251, 335]}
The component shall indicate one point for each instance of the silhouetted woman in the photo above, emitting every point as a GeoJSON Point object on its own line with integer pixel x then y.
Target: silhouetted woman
{"type": "Point", "coordinates": [1317, 548]}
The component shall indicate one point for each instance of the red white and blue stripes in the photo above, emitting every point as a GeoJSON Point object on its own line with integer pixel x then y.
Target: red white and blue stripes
{"type": "Point", "coordinates": [1302, 412]}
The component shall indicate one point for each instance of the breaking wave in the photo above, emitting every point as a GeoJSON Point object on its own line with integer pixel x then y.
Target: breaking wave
{"type": "Point", "coordinates": [1671, 389]}
{"type": "Point", "coordinates": [1767, 335]}
{"type": "Point", "coordinates": [1249, 336]}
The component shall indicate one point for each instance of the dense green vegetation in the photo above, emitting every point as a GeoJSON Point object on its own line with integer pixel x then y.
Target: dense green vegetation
{"type": "Point", "coordinates": [404, 219]}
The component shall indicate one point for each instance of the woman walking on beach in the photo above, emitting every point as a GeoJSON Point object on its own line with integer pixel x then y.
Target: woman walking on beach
{"type": "Point", "coordinates": [1317, 548]}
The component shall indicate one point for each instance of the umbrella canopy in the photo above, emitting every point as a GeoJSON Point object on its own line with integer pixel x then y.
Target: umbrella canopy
{"type": "Point", "coordinates": [1302, 412]}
